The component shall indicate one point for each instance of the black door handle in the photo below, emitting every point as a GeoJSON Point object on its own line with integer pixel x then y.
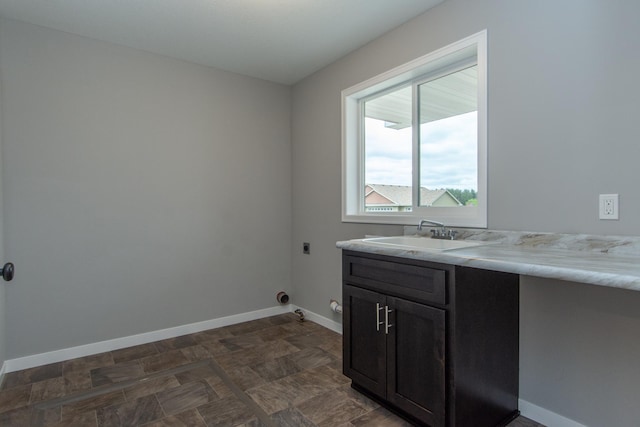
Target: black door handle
{"type": "Point", "coordinates": [7, 271]}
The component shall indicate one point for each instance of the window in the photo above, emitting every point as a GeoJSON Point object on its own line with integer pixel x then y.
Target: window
{"type": "Point", "coordinates": [414, 141]}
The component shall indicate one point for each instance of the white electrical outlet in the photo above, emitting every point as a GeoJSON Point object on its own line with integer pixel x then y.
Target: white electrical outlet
{"type": "Point", "coordinates": [609, 206]}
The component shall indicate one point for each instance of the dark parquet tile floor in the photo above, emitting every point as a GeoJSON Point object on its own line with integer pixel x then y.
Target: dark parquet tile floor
{"type": "Point", "coordinates": [269, 372]}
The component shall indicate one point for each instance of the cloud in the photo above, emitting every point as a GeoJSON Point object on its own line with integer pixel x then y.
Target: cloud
{"type": "Point", "coordinates": [448, 153]}
{"type": "Point", "coordinates": [387, 154]}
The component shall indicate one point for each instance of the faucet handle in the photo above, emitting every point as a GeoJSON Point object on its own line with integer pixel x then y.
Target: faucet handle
{"type": "Point", "coordinates": [443, 233]}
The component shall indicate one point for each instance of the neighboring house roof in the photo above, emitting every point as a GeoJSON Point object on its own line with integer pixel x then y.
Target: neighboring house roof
{"type": "Point", "coordinates": [400, 195]}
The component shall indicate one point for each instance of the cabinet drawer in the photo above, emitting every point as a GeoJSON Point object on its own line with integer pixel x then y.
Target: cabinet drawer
{"type": "Point", "coordinates": [413, 281]}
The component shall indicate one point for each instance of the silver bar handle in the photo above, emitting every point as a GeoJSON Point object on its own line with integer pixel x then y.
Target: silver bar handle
{"type": "Point", "coordinates": [378, 322]}
{"type": "Point", "coordinates": [387, 325]}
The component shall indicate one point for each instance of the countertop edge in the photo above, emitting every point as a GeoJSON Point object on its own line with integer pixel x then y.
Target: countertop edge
{"type": "Point", "coordinates": [567, 267]}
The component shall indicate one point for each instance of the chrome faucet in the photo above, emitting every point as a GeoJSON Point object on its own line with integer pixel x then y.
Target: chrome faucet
{"type": "Point", "coordinates": [428, 221]}
{"type": "Point", "coordinates": [442, 233]}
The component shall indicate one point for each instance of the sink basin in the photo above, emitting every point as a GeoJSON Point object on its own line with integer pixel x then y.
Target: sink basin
{"type": "Point", "coordinates": [424, 243]}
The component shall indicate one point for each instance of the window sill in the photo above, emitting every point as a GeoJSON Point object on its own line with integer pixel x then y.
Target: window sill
{"type": "Point", "coordinates": [413, 219]}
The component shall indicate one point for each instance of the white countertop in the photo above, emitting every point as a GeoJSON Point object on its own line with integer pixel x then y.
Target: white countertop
{"type": "Point", "coordinates": [611, 261]}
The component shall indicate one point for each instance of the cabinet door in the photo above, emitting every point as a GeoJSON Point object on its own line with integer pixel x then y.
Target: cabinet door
{"type": "Point", "coordinates": [416, 360]}
{"type": "Point", "coordinates": [364, 338]}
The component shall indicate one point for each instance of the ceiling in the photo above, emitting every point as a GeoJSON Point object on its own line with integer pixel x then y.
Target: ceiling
{"type": "Point", "coordinates": [277, 40]}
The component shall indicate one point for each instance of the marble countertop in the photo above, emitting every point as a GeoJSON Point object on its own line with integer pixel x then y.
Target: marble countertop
{"type": "Point", "coordinates": [612, 261]}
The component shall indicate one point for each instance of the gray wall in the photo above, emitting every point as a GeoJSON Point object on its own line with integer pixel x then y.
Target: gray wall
{"type": "Point", "coordinates": [2, 259]}
{"type": "Point", "coordinates": [579, 351]}
{"type": "Point", "coordinates": [562, 128]}
{"type": "Point", "coordinates": [140, 192]}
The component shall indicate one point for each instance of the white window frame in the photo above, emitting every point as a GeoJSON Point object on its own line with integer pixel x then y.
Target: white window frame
{"type": "Point", "coordinates": [353, 210]}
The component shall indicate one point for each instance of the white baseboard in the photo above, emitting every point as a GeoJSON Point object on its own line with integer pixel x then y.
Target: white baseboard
{"type": "Point", "coordinates": [321, 320]}
{"type": "Point", "coordinates": [129, 341]}
{"type": "Point", "coordinates": [544, 416]}
{"type": "Point", "coordinates": [2, 372]}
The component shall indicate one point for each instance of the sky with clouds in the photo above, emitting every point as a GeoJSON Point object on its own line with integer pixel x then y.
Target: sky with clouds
{"type": "Point", "coordinates": [448, 153]}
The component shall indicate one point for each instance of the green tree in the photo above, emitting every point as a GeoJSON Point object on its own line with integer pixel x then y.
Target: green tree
{"type": "Point", "coordinates": [463, 196]}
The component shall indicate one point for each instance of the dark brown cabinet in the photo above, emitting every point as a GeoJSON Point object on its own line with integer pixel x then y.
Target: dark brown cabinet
{"type": "Point", "coordinates": [436, 343]}
{"type": "Point", "coordinates": [397, 347]}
